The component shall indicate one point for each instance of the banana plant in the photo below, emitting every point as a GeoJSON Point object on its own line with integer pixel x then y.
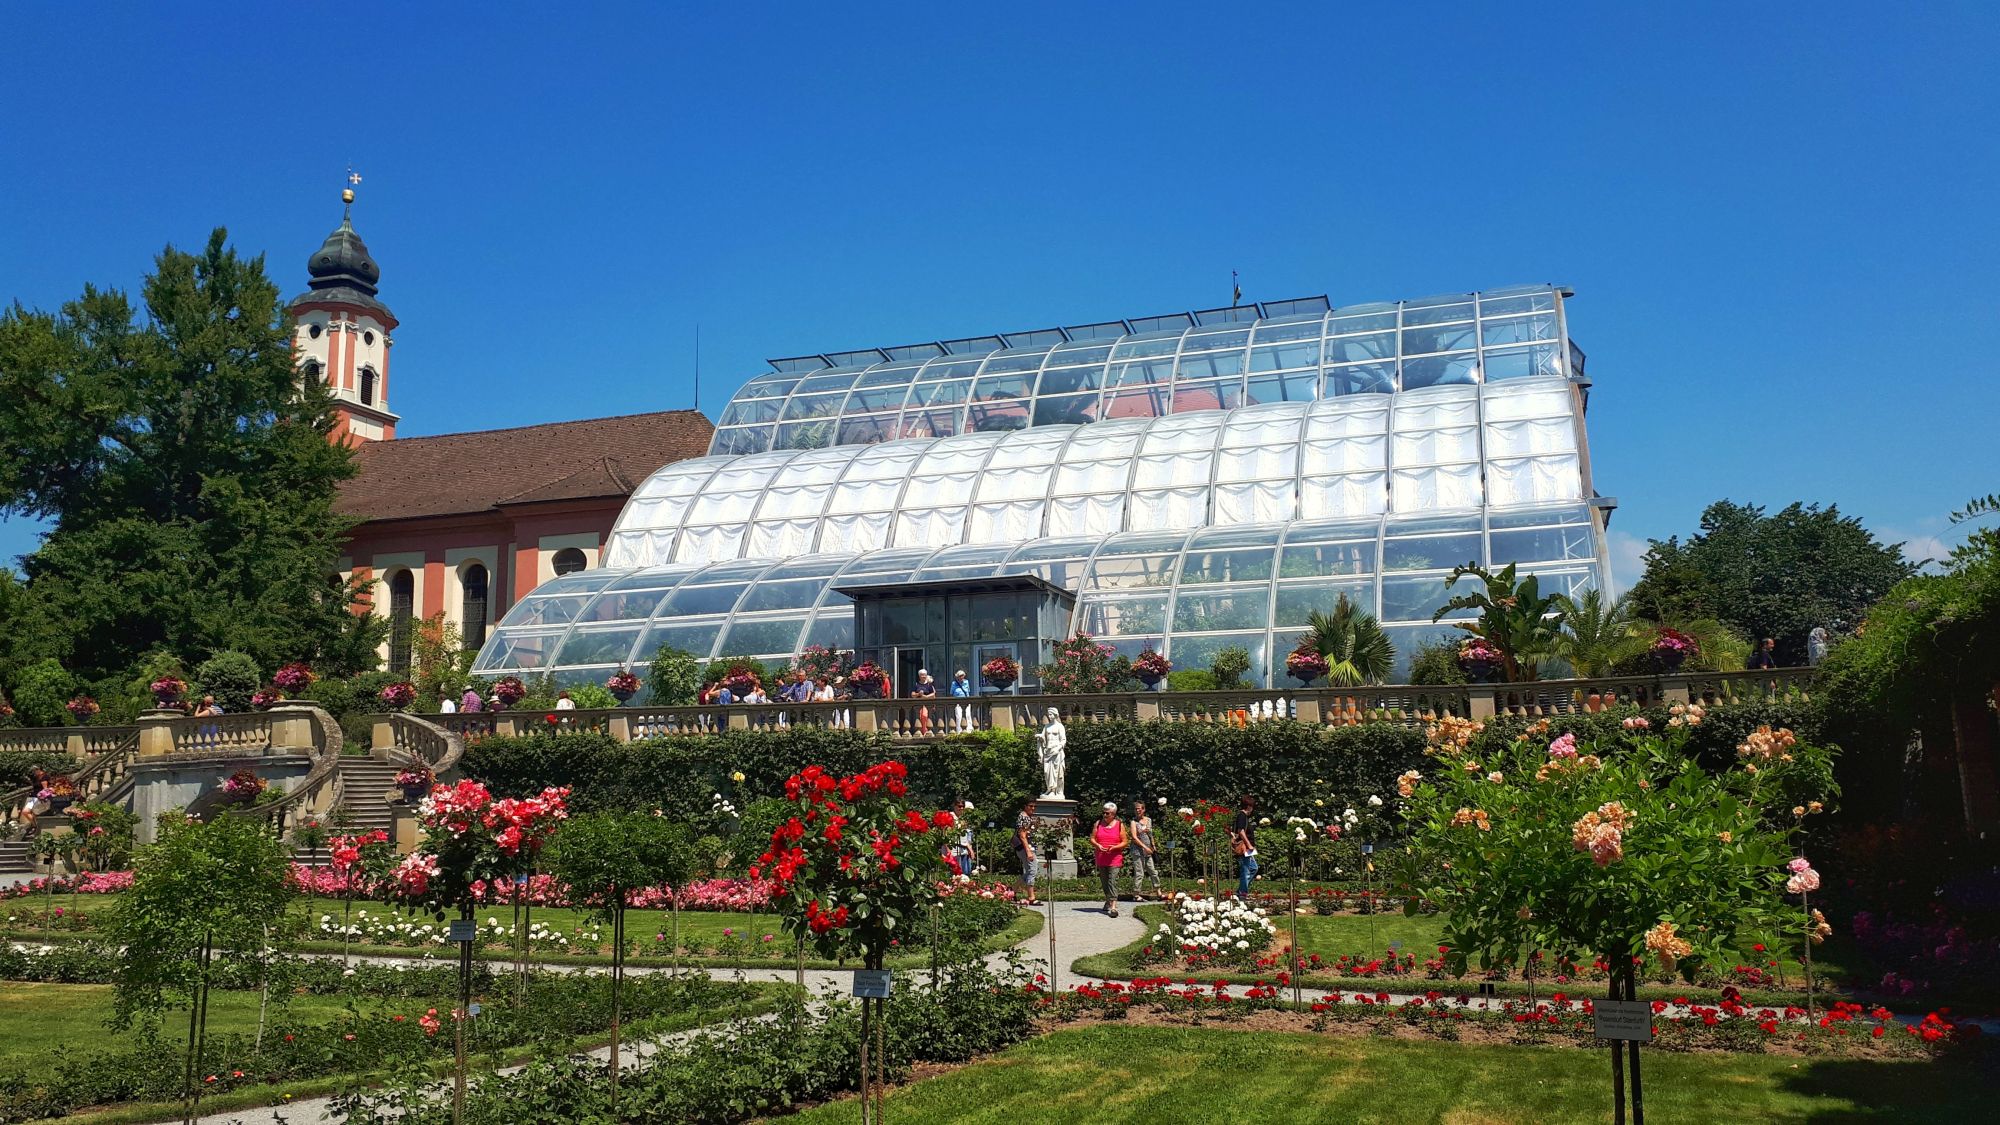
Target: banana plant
{"type": "Point", "coordinates": [1514, 617]}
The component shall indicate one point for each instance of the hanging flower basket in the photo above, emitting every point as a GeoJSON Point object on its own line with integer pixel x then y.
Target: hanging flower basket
{"type": "Point", "coordinates": [293, 678]}
{"type": "Point", "coordinates": [1305, 665]}
{"type": "Point", "coordinates": [398, 695]}
{"type": "Point", "coordinates": [622, 685]}
{"type": "Point", "coordinates": [1001, 672]}
{"type": "Point", "coordinates": [509, 690]}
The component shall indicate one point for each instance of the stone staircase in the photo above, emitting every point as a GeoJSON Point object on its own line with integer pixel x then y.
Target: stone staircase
{"type": "Point", "coordinates": [362, 783]}
{"type": "Point", "coordinates": [16, 857]}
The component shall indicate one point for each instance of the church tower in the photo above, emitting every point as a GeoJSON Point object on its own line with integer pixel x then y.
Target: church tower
{"type": "Point", "coordinates": [341, 335]}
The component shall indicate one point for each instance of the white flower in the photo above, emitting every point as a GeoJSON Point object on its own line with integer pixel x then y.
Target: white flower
{"type": "Point", "coordinates": [1264, 821]}
{"type": "Point", "coordinates": [1374, 802]}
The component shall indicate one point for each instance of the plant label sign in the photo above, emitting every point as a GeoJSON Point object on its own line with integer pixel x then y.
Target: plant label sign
{"type": "Point", "coordinates": [462, 929]}
{"type": "Point", "coordinates": [871, 984]}
{"type": "Point", "coordinates": [1624, 1020]}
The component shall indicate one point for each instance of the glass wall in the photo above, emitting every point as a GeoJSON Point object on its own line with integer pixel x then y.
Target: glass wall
{"type": "Point", "coordinates": [1210, 361]}
{"type": "Point", "coordinates": [1185, 593]}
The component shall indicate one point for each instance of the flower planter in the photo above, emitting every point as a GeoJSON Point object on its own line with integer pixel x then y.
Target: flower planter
{"type": "Point", "coordinates": [623, 697]}
{"type": "Point", "coordinates": [414, 793]}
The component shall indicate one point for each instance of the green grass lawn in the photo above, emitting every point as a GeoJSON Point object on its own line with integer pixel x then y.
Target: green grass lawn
{"type": "Point", "coordinates": [34, 1017]}
{"type": "Point", "coordinates": [1108, 1074]}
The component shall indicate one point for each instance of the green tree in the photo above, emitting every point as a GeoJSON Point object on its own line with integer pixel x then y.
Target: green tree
{"type": "Point", "coordinates": [231, 677]}
{"type": "Point", "coordinates": [1436, 662]}
{"type": "Point", "coordinates": [674, 679]}
{"type": "Point", "coordinates": [1357, 651]}
{"type": "Point", "coordinates": [187, 469]}
{"type": "Point", "coordinates": [1597, 634]}
{"type": "Point", "coordinates": [40, 693]}
{"type": "Point", "coordinates": [1514, 617]}
{"type": "Point", "coordinates": [601, 858]}
{"type": "Point", "coordinates": [1229, 666]}
{"type": "Point", "coordinates": [203, 891]}
{"type": "Point", "coordinates": [1776, 575]}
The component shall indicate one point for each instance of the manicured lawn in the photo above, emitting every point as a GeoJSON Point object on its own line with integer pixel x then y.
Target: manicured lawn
{"type": "Point", "coordinates": [34, 1017]}
{"type": "Point", "coordinates": [1108, 1074]}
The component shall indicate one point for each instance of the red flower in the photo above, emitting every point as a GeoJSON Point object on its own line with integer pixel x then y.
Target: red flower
{"type": "Point", "coordinates": [942, 819]}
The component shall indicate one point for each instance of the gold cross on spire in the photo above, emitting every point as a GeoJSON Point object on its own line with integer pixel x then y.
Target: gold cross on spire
{"type": "Point", "coordinates": [353, 181]}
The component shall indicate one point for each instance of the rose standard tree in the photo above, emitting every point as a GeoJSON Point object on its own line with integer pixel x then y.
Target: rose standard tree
{"type": "Point", "coordinates": [1626, 847]}
{"type": "Point", "coordinates": [855, 867]}
{"type": "Point", "coordinates": [473, 841]}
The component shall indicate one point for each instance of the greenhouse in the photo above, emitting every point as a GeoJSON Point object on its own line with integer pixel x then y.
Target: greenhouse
{"type": "Point", "coordinates": [1183, 525]}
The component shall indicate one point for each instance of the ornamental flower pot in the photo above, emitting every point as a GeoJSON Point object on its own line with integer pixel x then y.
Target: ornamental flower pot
{"type": "Point", "coordinates": [1151, 681]}
{"type": "Point", "coordinates": [621, 695]}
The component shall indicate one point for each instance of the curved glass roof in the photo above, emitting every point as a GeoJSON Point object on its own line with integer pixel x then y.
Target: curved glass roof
{"type": "Point", "coordinates": [1457, 446]}
{"type": "Point", "coordinates": [1139, 369]}
{"type": "Point", "coordinates": [1187, 593]}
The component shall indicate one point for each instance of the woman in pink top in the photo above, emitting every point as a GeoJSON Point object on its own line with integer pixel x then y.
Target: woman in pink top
{"type": "Point", "coordinates": [1111, 839]}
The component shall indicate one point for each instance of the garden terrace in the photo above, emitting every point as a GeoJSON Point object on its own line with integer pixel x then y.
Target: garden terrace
{"type": "Point", "coordinates": [909, 720]}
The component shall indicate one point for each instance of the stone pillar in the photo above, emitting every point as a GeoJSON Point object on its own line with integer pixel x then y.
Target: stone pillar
{"type": "Point", "coordinates": [1146, 706]}
{"type": "Point", "coordinates": [1305, 707]}
{"type": "Point", "coordinates": [74, 743]}
{"type": "Point", "coordinates": [1050, 812]}
{"type": "Point", "coordinates": [739, 719]}
{"type": "Point", "coordinates": [156, 731]}
{"type": "Point", "coordinates": [505, 725]}
{"type": "Point", "coordinates": [292, 727]}
{"type": "Point", "coordinates": [865, 717]}
{"type": "Point", "coordinates": [620, 727]}
{"type": "Point", "coordinates": [1483, 708]}
{"type": "Point", "coordinates": [1673, 689]}
{"type": "Point", "coordinates": [1000, 709]}
{"type": "Point", "coordinates": [382, 736]}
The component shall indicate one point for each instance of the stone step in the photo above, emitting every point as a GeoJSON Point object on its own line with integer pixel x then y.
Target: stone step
{"type": "Point", "coordinates": [16, 857]}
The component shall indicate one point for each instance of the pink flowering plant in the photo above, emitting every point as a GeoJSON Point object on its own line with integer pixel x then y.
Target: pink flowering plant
{"type": "Point", "coordinates": [293, 678]}
{"type": "Point", "coordinates": [509, 690]}
{"type": "Point", "coordinates": [1623, 847]}
{"type": "Point", "coordinates": [398, 695]}
{"type": "Point", "coordinates": [1305, 664]}
{"type": "Point", "coordinates": [472, 837]}
{"type": "Point", "coordinates": [1082, 666]}
{"type": "Point", "coordinates": [1151, 667]}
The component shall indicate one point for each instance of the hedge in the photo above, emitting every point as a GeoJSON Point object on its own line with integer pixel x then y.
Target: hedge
{"type": "Point", "coordinates": [1285, 765]}
{"type": "Point", "coordinates": [15, 764]}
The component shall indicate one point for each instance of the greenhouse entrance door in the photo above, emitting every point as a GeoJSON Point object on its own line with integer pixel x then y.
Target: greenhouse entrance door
{"type": "Point", "coordinates": [960, 623]}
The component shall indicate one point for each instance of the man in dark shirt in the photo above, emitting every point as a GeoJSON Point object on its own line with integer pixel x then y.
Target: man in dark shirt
{"type": "Point", "coordinates": [1243, 841]}
{"type": "Point", "coordinates": [1766, 655]}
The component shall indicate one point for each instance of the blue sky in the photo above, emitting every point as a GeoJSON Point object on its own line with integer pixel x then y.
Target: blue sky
{"type": "Point", "coordinates": [1780, 225]}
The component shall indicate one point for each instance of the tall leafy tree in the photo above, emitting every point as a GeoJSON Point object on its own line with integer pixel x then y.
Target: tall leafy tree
{"type": "Point", "coordinates": [1770, 575]}
{"type": "Point", "coordinates": [188, 471]}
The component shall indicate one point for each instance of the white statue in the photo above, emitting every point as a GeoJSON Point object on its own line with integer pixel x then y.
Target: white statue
{"type": "Point", "coordinates": [1050, 742]}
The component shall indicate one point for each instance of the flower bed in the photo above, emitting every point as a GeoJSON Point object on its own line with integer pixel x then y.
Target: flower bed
{"type": "Point", "coordinates": [556, 1008]}
{"type": "Point", "coordinates": [1205, 932]}
{"type": "Point", "coordinates": [88, 883]}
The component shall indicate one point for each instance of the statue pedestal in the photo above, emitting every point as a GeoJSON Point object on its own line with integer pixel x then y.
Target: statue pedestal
{"type": "Point", "coordinates": [1051, 813]}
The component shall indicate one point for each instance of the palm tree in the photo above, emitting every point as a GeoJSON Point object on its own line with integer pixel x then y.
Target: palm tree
{"type": "Point", "coordinates": [1598, 634]}
{"type": "Point", "coordinates": [1357, 651]}
{"type": "Point", "coordinates": [1513, 617]}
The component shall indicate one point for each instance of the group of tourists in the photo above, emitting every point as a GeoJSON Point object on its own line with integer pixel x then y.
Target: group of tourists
{"type": "Point", "coordinates": [1130, 845]}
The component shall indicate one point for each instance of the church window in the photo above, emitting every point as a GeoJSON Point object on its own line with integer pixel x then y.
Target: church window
{"type": "Point", "coordinates": [569, 560]}
{"type": "Point", "coordinates": [402, 611]}
{"type": "Point", "coordinates": [367, 386]}
{"type": "Point", "coordinates": [474, 606]}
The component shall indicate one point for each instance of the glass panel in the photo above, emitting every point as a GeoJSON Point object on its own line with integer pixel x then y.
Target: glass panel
{"type": "Point", "coordinates": [1435, 371]}
{"type": "Point", "coordinates": [1541, 544]}
{"type": "Point", "coordinates": [1361, 318]}
{"type": "Point", "coordinates": [543, 611]}
{"type": "Point", "coordinates": [623, 605]}
{"type": "Point", "coordinates": [1297, 602]}
{"type": "Point", "coordinates": [1140, 373]}
{"type": "Point", "coordinates": [982, 417]}
{"type": "Point", "coordinates": [1066, 410]}
{"type": "Point", "coordinates": [1361, 349]}
{"type": "Point", "coordinates": [1211, 365]}
{"type": "Point", "coordinates": [1121, 616]}
{"type": "Point", "coordinates": [697, 637]}
{"type": "Point", "coordinates": [1242, 565]}
{"type": "Point", "coordinates": [800, 594]}
{"type": "Point", "coordinates": [834, 628]}
{"type": "Point", "coordinates": [1299, 386]}
{"type": "Point", "coordinates": [1029, 359]}
{"type": "Point", "coordinates": [940, 394]}
{"type": "Point", "coordinates": [992, 387]}
{"type": "Point", "coordinates": [689, 601]}
{"type": "Point", "coordinates": [1150, 403]}
{"type": "Point", "coordinates": [1237, 609]}
{"type": "Point", "coordinates": [1190, 397]}
{"type": "Point", "coordinates": [1416, 597]}
{"type": "Point", "coordinates": [1198, 651]}
{"type": "Point", "coordinates": [745, 411]}
{"type": "Point", "coordinates": [1430, 553]}
{"type": "Point", "coordinates": [1149, 344]}
{"type": "Point", "coordinates": [1430, 312]}
{"type": "Point", "coordinates": [813, 406]}
{"type": "Point", "coordinates": [804, 435]}
{"type": "Point", "coordinates": [1361, 379]}
{"type": "Point", "coordinates": [1278, 357]}
{"type": "Point", "coordinates": [1522, 363]}
{"type": "Point", "coordinates": [1070, 379]}
{"type": "Point", "coordinates": [769, 635]}
{"type": "Point", "coordinates": [867, 430]}
{"type": "Point", "coordinates": [930, 423]}
{"type": "Point", "coordinates": [1544, 301]}
{"type": "Point", "coordinates": [1421, 341]}
{"type": "Point", "coordinates": [613, 646]}
{"type": "Point", "coordinates": [1273, 331]}
{"type": "Point", "coordinates": [733, 442]}
{"type": "Point", "coordinates": [828, 382]}
{"type": "Point", "coordinates": [1210, 341]}
{"type": "Point", "coordinates": [874, 399]}
{"type": "Point", "coordinates": [1518, 330]}
{"type": "Point", "coordinates": [519, 650]}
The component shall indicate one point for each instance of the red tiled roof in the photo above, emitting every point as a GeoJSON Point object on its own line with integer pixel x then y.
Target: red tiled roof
{"type": "Point", "coordinates": [454, 474]}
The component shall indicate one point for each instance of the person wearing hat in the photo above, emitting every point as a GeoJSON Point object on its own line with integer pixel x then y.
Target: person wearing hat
{"type": "Point", "coordinates": [926, 689]}
{"type": "Point", "coordinates": [961, 688]}
{"type": "Point", "coordinates": [1111, 841]}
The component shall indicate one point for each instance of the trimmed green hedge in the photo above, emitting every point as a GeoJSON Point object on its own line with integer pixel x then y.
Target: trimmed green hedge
{"type": "Point", "coordinates": [1283, 764]}
{"type": "Point", "coordinates": [15, 764]}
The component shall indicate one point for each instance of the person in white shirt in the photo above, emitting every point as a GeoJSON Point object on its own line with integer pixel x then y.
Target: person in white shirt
{"type": "Point", "coordinates": [564, 702]}
{"type": "Point", "coordinates": [447, 706]}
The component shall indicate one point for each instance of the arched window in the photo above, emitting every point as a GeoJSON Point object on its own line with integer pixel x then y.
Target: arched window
{"type": "Point", "coordinates": [367, 386]}
{"type": "Point", "coordinates": [473, 607]}
{"type": "Point", "coordinates": [313, 370]}
{"type": "Point", "coordinates": [569, 560]}
{"type": "Point", "coordinates": [402, 611]}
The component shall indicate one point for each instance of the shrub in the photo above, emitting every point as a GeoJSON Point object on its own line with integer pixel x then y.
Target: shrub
{"type": "Point", "coordinates": [675, 678]}
{"type": "Point", "coordinates": [1229, 666]}
{"type": "Point", "coordinates": [1436, 662]}
{"type": "Point", "coordinates": [1191, 679]}
{"type": "Point", "coordinates": [41, 692]}
{"type": "Point", "coordinates": [231, 677]}
{"type": "Point", "coordinates": [15, 764]}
